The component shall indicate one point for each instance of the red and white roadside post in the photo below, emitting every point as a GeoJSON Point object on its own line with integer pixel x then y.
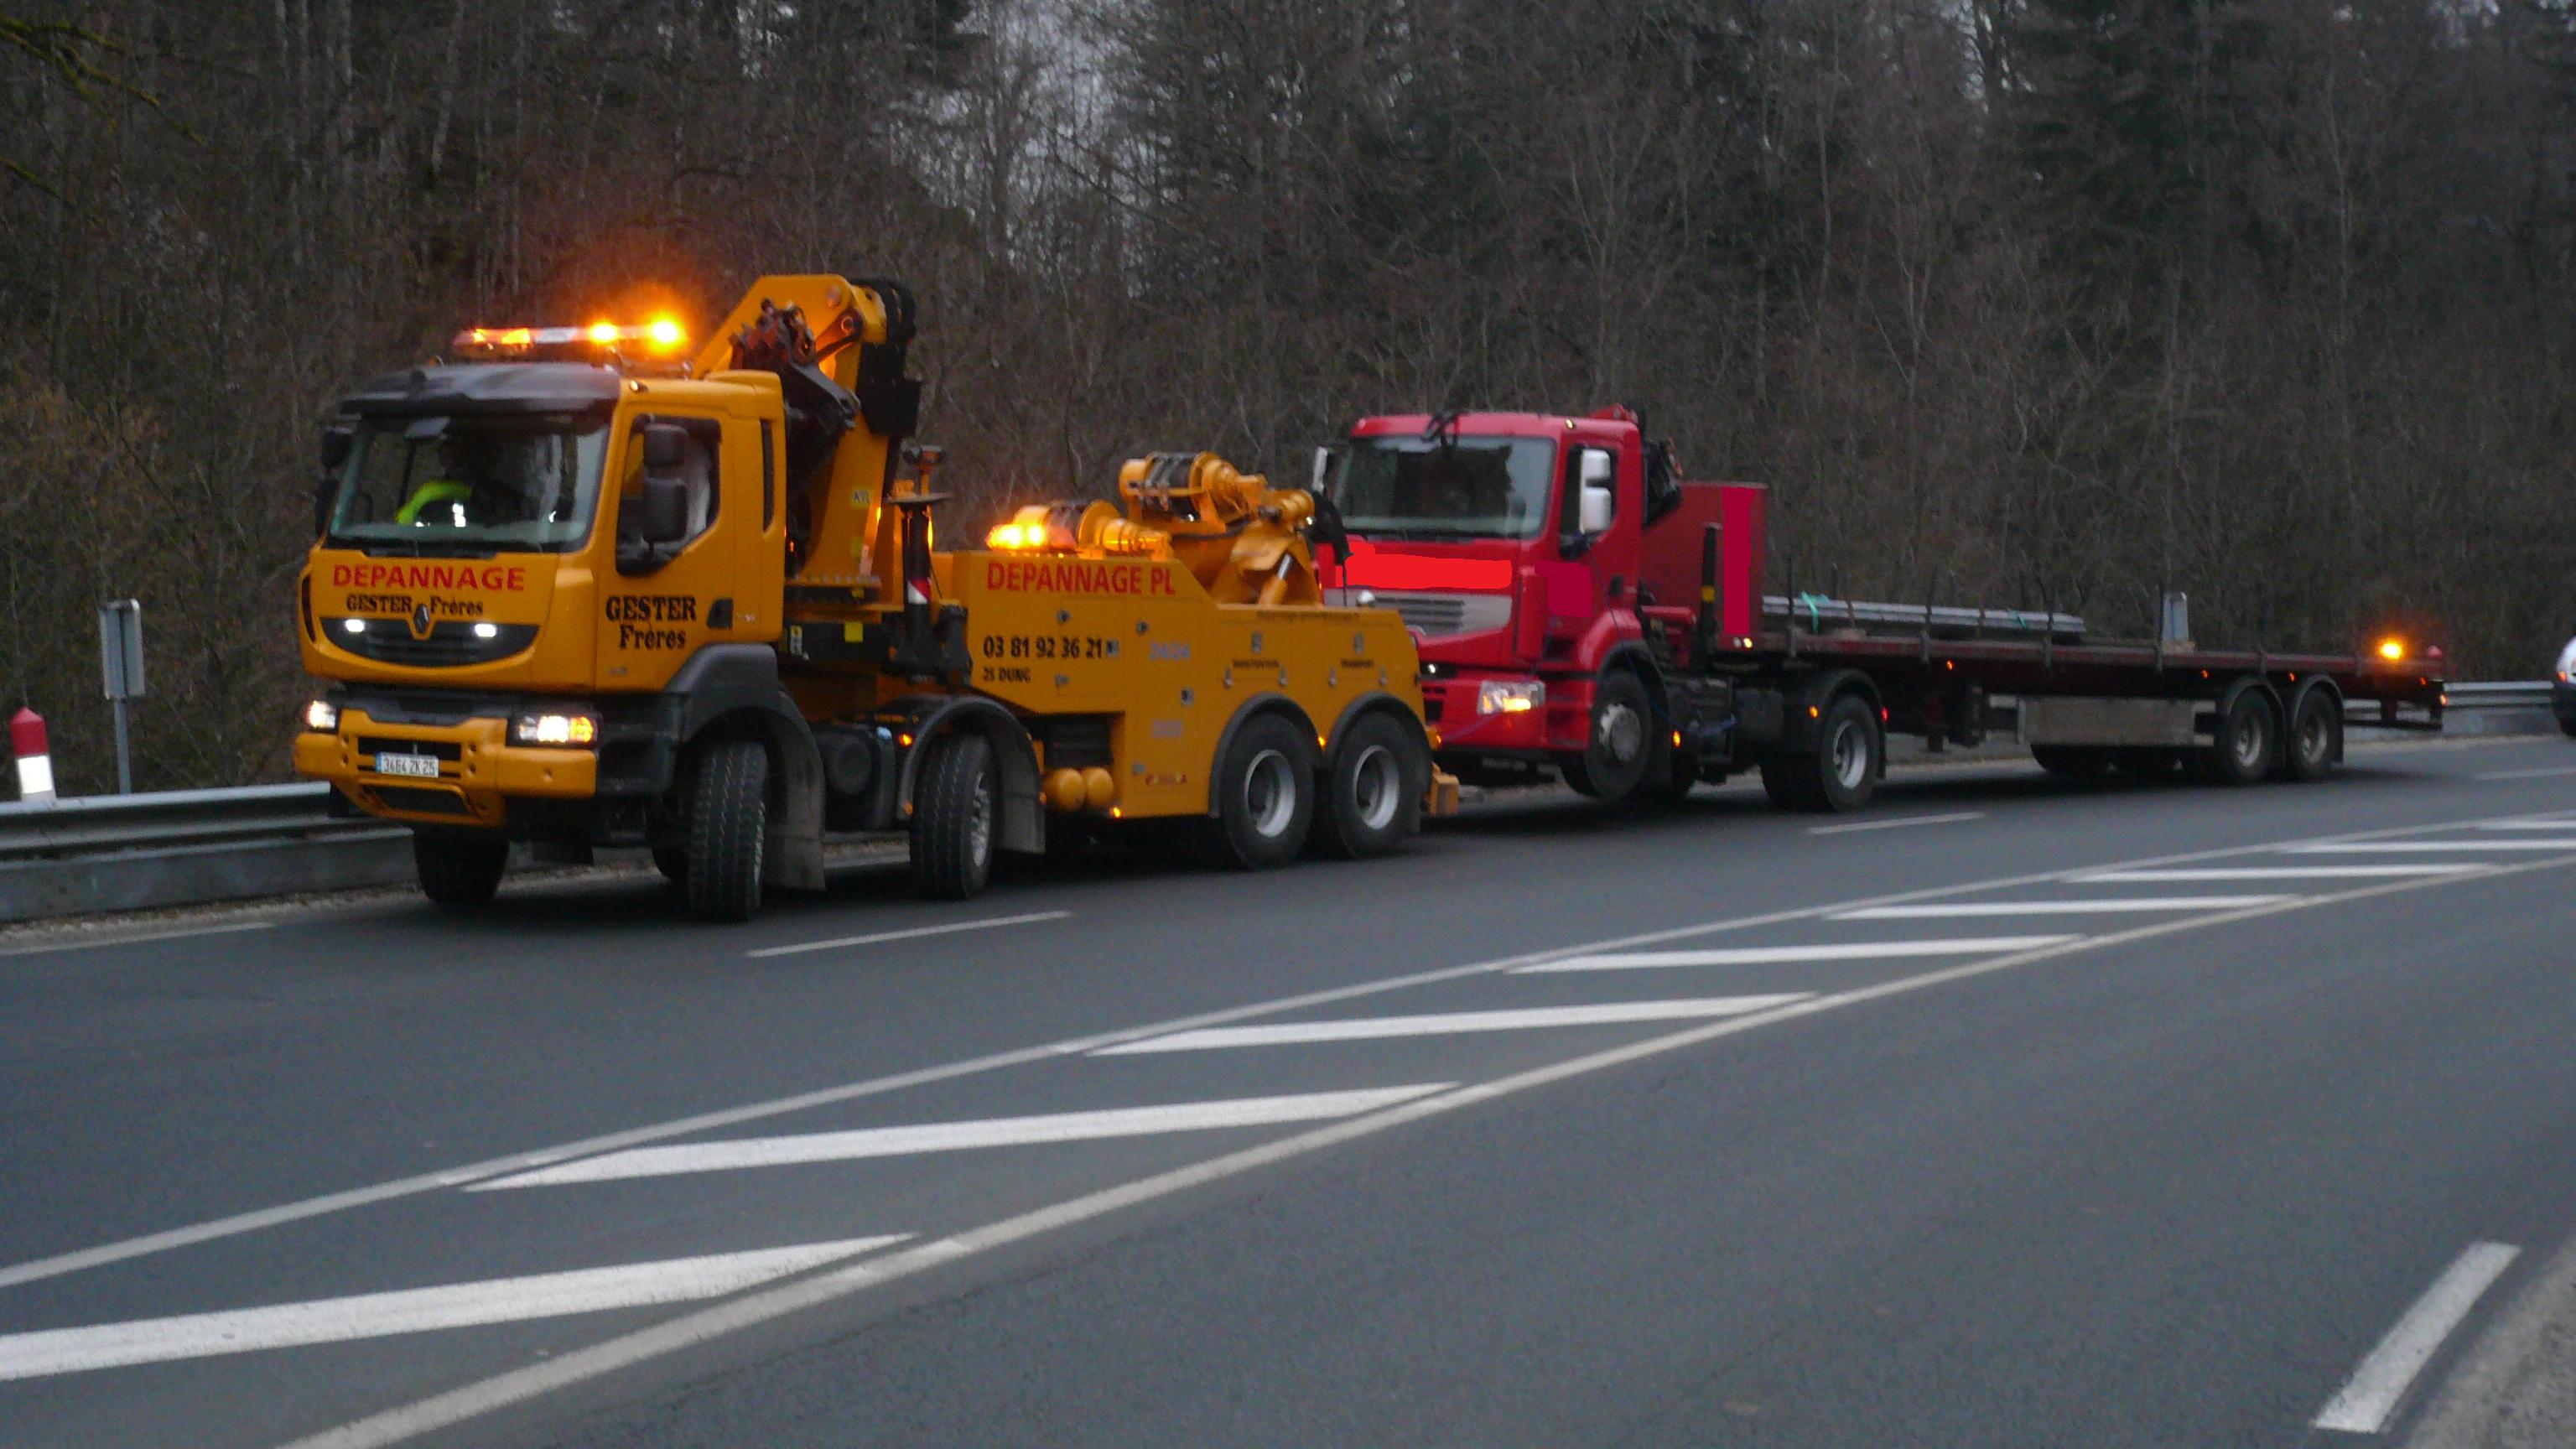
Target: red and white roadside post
{"type": "Point", "coordinates": [35, 757]}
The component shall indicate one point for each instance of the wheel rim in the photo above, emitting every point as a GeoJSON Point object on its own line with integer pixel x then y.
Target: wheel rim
{"type": "Point", "coordinates": [2312, 737]}
{"type": "Point", "coordinates": [1376, 787]}
{"type": "Point", "coordinates": [979, 824]}
{"type": "Point", "coordinates": [1270, 794]}
{"type": "Point", "coordinates": [2248, 742]}
{"type": "Point", "coordinates": [1850, 756]}
{"type": "Point", "coordinates": [1621, 733]}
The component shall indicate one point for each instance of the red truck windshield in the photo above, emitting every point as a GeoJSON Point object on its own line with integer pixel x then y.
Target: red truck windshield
{"type": "Point", "coordinates": [1461, 487]}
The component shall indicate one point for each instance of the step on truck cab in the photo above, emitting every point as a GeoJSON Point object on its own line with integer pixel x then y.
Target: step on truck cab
{"type": "Point", "coordinates": [581, 587]}
{"type": "Point", "coordinates": [1587, 611]}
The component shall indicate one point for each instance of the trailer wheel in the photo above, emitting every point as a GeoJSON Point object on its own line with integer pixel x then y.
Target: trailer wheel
{"type": "Point", "coordinates": [1265, 794]}
{"type": "Point", "coordinates": [459, 867]}
{"type": "Point", "coordinates": [2073, 762]}
{"type": "Point", "coordinates": [952, 817]}
{"type": "Point", "coordinates": [2316, 735]}
{"type": "Point", "coordinates": [2248, 740]}
{"type": "Point", "coordinates": [1373, 788]}
{"type": "Point", "coordinates": [728, 830]}
{"type": "Point", "coordinates": [1843, 772]}
{"type": "Point", "coordinates": [1614, 762]}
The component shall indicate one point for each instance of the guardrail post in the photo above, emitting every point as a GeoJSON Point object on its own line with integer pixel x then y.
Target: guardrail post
{"type": "Point", "coordinates": [35, 758]}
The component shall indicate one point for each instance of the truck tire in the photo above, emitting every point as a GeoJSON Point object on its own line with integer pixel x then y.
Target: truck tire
{"type": "Point", "coordinates": [2316, 736]}
{"type": "Point", "coordinates": [2073, 762]}
{"type": "Point", "coordinates": [2248, 739]}
{"type": "Point", "coordinates": [1265, 794]}
{"type": "Point", "coordinates": [1373, 788]}
{"type": "Point", "coordinates": [459, 867]}
{"type": "Point", "coordinates": [1620, 747]}
{"type": "Point", "coordinates": [1843, 772]}
{"type": "Point", "coordinates": [953, 817]}
{"type": "Point", "coordinates": [728, 830]}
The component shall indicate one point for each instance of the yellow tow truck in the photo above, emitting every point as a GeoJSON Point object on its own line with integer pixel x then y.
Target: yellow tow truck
{"type": "Point", "coordinates": [580, 588]}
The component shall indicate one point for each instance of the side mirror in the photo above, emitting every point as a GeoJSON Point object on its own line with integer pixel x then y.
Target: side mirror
{"type": "Point", "coordinates": [662, 513]}
{"type": "Point", "coordinates": [336, 443]}
{"type": "Point", "coordinates": [1596, 508]}
{"type": "Point", "coordinates": [1327, 458]}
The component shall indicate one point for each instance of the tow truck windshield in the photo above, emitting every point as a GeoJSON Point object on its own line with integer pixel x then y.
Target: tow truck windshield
{"type": "Point", "coordinates": [462, 484]}
{"type": "Point", "coordinates": [1460, 487]}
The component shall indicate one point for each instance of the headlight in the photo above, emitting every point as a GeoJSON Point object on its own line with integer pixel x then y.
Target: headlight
{"type": "Point", "coordinates": [322, 717]}
{"type": "Point", "coordinates": [570, 727]}
{"type": "Point", "coordinates": [1510, 696]}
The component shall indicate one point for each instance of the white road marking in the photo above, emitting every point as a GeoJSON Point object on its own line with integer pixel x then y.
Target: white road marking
{"type": "Point", "coordinates": [2527, 825]}
{"type": "Point", "coordinates": [2366, 1400]}
{"type": "Point", "coordinates": [2267, 872]}
{"type": "Point", "coordinates": [82, 945]}
{"type": "Point", "coordinates": [394, 1189]}
{"type": "Point", "coordinates": [691, 1330]}
{"type": "Point", "coordinates": [915, 933]}
{"type": "Point", "coordinates": [412, 1310]}
{"type": "Point", "coordinates": [2088, 907]}
{"type": "Point", "coordinates": [2409, 847]}
{"type": "Point", "coordinates": [1898, 823]}
{"type": "Point", "coordinates": [1447, 1023]}
{"type": "Point", "coordinates": [2528, 774]}
{"type": "Point", "coordinates": [1771, 955]}
{"type": "Point", "coordinates": [960, 1136]}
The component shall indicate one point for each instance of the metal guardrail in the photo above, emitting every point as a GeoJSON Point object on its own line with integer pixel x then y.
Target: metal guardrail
{"type": "Point", "coordinates": [2514, 694]}
{"type": "Point", "coordinates": [183, 847]}
{"type": "Point", "coordinates": [186, 847]}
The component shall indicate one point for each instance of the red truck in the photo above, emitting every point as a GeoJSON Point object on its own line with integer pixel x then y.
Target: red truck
{"type": "Point", "coordinates": [1582, 609]}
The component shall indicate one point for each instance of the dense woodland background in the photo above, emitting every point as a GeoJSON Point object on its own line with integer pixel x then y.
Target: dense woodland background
{"type": "Point", "coordinates": [2269, 298]}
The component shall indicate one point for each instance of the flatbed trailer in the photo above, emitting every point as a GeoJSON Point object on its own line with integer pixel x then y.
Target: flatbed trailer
{"type": "Point", "coordinates": [1584, 610]}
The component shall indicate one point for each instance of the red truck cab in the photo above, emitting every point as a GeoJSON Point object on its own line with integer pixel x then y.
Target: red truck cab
{"type": "Point", "coordinates": [1517, 546]}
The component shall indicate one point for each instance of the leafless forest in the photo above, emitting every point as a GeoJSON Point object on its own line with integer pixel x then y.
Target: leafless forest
{"type": "Point", "coordinates": [2012, 298]}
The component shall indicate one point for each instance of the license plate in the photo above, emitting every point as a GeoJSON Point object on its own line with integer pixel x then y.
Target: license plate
{"type": "Point", "coordinates": [423, 767]}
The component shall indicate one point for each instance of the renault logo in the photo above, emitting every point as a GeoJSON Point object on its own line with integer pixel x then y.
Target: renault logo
{"type": "Point", "coordinates": [420, 622]}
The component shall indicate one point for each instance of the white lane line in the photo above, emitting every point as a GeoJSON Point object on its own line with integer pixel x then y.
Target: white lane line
{"type": "Point", "coordinates": [225, 929]}
{"type": "Point", "coordinates": [962, 1136]}
{"type": "Point", "coordinates": [1379, 1028]}
{"type": "Point", "coordinates": [706, 1325]}
{"type": "Point", "coordinates": [1898, 823]}
{"type": "Point", "coordinates": [2528, 774]}
{"type": "Point", "coordinates": [413, 1310]}
{"type": "Point", "coordinates": [393, 1189]}
{"type": "Point", "coordinates": [2363, 1404]}
{"type": "Point", "coordinates": [2527, 825]}
{"type": "Point", "coordinates": [1773, 955]}
{"type": "Point", "coordinates": [2267, 872]}
{"type": "Point", "coordinates": [2087, 907]}
{"type": "Point", "coordinates": [2410, 847]}
{"type": "Point", "coordinates": [915, 933]}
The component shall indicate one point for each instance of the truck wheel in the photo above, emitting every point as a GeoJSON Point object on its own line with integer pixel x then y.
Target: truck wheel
{"type": "Point", "coordinates": [1265, 794]}
{"type": "Point", "coordinates": [459, 867]}
{"type": "Point", "coordinates": [1613, 764]}
{"type": "Point", "coordinates": [1843, 772]}
{"type": "Point", "coordinates": [2073, 762]}
{"type": "Point", "coordinates": [952, 817]}
{"type": "Point", "coordinates": [2249, 738]}
{"type": "Point", "coordinates": [728, 829]}
{"type": "Point", "coordinates": [1373, 788]}
{"type": "Point", "coordinates": [2316, 729]}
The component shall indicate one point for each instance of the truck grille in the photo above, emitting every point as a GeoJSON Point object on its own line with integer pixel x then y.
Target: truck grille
{"type": "Point", "coordinates": [450, 643]}
{"type": "Point", "coordinates": [419, 799]}
{"type": "Point", "coordinates": [1441, 613]}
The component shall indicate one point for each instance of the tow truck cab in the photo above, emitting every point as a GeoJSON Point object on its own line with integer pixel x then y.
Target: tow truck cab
{"type": "Point", "coordinates": [1543, 558]}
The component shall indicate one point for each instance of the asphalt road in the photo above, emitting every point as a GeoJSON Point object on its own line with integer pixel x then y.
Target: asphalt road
{"type": "Point", "coordinates": [1567, 1127]}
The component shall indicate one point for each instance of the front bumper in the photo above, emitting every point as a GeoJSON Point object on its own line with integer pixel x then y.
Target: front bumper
{"type": "Point", "coordinates": [479, 771]}
{"type": "Point", "coordinates": [1562, 726]}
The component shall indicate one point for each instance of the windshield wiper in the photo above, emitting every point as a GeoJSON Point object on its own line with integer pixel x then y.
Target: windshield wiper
{"type": "Point", "coordinates": [411, 548]}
